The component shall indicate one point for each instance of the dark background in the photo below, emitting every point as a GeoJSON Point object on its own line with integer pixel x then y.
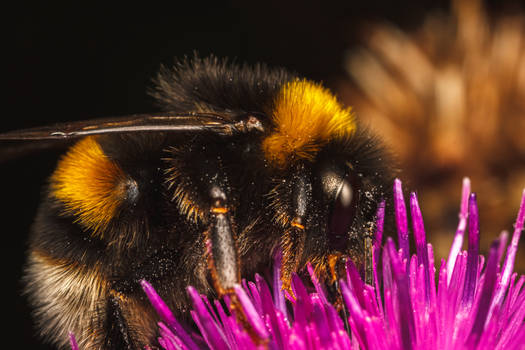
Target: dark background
{"type": "Point", "coordinates": [70, 62]}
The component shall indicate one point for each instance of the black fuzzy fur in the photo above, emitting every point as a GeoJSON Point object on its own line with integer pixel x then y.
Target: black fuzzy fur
{"type": "Point", "coordinates": [211, 84]}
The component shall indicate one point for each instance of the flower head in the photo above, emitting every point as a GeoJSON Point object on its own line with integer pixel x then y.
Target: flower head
{"type": "Point", "coordinates": [475, 302]}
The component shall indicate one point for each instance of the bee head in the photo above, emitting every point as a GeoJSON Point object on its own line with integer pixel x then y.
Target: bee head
{"type": "Point", "coordinates": [330, 174]}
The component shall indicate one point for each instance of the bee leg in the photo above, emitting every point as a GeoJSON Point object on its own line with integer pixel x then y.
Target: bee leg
{"type": "Point", "coordinates": [292, 245]}
{"type": "Point", "coordinates": [118, 335]}
{"type": "Point", "coordinates": [294, 238]}
{"type": "Point", "coordinates": [223, 259]}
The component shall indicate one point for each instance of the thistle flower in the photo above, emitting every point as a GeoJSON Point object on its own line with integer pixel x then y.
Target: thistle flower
{"type": "Point", "coordinates": [474, 304]}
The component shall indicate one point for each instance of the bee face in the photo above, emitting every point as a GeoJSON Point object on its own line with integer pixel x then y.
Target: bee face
{"type": "Point", "coordinates": [327, 207]}
{"type": "Point", "coordinates": [247, 161]}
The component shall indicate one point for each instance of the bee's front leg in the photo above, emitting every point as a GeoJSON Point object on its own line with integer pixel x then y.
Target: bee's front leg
{"type": "Point", "coordinates": [221, 245]}
{"type": "Point", "coordinates": [223, 256]}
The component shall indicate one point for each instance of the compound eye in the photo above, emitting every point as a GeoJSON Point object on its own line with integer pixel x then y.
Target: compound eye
{"type": "Point", "coordinates": [343, 210]}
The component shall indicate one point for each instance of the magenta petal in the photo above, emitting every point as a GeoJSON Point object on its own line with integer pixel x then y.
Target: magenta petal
{"type": "Point", "coordinates": [321, 326]}
{"type": "Point", "coordinates": [303, 303]}
{"type": "Point", "coordinates": [256, 298]}
{"type": "Point", "coordinates": [251, 313]}
{"type": "Point", "coordinates": [278, 294]}
{"type": "Point", "coordinates": [318, 287]}
{"type": "Point", "coordinates": [73, 341]}
{"type": "Point", "coordinates": [166, 314]}
{"type": "Point", "coordinates": [515, 293]}
{"type": "Point", "coordinates": [486, 295]}
{"type": "Point", "coordinates": [421, 243]}
{"type": "Point", "coordinates": [171, 341]}
{"type": "Point", "coordinates": [163, 343]}
{"type": "Point", "coordinates": [228, 322]}
{"type": "Point", "coordinates": [401, 218]}
{"type": "Point", "coordinates": [472, 257]}
{"type": "Point", "coordinates": [271, 313]}
{"type": "Point", "coordinates": [357, 314]}
{"type": "Point", "coordinates": [213, 335]}
{"type": "Point", "coordinates": [405, 317]}
{"type": "Point", "coordinates": [460, 231]}
{"type": "Point", "coordinates": [354, 280]}
{"type": "Point", "coordinates": [515, 321]}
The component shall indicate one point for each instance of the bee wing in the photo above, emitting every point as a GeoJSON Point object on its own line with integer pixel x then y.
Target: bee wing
{"type": "Point", "coordinates": [133, 123]}
{"type": "Point", "coordinates": [17, 143]}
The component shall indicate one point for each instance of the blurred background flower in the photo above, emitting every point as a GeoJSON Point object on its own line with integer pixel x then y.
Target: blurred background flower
{"type": "Point", "coordinates": [449, 97]}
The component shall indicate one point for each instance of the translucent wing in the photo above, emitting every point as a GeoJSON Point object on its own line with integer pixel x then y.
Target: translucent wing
{"type": "Point", "coordinates": [17, 143]}
{"type": "Point", "coordinates": [133, 123]}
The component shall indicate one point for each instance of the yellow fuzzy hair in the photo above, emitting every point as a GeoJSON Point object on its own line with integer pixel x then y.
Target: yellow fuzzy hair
{"type": "Point", "coordinates": [89, 184]}
{"type": "Point", "coordinates": [306, 116]}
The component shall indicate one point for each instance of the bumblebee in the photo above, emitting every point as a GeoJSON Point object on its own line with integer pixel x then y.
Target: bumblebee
{"type": "Point", "coordinates": [244, 161]}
